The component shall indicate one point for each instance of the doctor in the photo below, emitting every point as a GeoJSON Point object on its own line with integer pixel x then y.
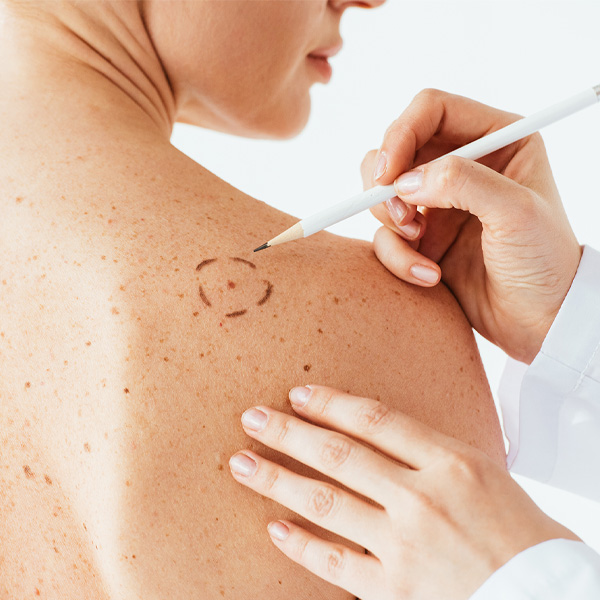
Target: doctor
{"type": "Point", "coordinates": [450, 524]}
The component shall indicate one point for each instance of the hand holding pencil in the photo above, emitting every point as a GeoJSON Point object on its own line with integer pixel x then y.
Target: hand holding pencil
{"type": "Point", "coordinates": [495, 230]}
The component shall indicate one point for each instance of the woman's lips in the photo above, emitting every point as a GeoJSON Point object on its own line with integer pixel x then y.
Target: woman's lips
{"type": "Point", "coordinates": [321, 65]}
{"type": "Point", "coordinates": [319, 60]}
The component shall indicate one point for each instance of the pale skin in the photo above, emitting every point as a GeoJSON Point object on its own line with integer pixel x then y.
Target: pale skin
{"type": "Point", "coordinates": [121, 389]}
{"type": "Point", "coordinates": [496, 233]}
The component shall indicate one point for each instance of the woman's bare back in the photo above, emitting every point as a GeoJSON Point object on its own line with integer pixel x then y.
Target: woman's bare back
{"type": "Point", "coordinates": [137, 326]}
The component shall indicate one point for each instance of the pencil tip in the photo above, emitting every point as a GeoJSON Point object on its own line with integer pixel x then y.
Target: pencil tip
{"type": "Point", "coordinates": [266, 245]}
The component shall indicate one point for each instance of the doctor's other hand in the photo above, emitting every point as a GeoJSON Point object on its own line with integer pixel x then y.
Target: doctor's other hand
{"type": "Point", "coordinates": [437, 516]}
{"type": "Point", "coordinates": [494, 231]}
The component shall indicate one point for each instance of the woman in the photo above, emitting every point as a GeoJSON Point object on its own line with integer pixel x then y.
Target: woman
{"type": "Point", "coordinates": [136, 320]}
{"type": "Point", "coordinates": [453, 525]}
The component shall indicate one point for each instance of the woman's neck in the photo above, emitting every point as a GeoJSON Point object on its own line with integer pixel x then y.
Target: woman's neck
{"type": "Point", "coordinates": [76, 63]}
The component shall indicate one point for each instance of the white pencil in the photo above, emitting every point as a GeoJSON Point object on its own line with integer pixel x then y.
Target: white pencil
{"type": "Point", "coordinates": [473, 151]}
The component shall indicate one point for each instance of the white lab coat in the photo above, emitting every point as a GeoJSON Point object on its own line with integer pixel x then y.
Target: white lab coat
{"type": "Point", "coordinates": [551, 413]}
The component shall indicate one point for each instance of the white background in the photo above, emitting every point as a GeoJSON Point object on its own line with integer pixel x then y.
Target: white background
{"type": "Point", "coordinates": [519, 55]}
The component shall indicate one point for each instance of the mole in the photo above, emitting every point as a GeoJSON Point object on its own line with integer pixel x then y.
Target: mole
{"type": "Point", "coordinates": [231, 285]}
{"type": "Point", "coordinates": [47, 479]}
{"type": "Point", "coordinates": [307, 368]}
{"type": "Point", "coordinates": [86, 447]}
{"type": "Point", "coordinates": [28, 472]}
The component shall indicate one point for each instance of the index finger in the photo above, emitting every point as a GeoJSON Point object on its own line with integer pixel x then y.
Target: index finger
{"type": "Point", "coordinates": [395, 434]}
{"type": "Point", "coordinates": [452, 120]}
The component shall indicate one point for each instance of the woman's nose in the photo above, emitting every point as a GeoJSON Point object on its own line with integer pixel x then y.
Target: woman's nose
{"type": "Point", "coordinates": [344, 4]}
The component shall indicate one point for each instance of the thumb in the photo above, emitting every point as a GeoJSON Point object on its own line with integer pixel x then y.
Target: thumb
{"type": "Point", "coordinates": [455, 182]}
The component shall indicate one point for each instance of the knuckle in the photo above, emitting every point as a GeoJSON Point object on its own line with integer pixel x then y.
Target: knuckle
{"type": "Point", "coordinates": [269, 480]}
{"type": "Point", "coordinates": [283, 431]}
{"type": "Point", "coordinates": [452, 174]}
{"type": "Point", "coordinates": [335, 560]}
{"type": "Point", "coordinates": [321, 401]}
{"type": "Point", "coordinates": [429, 95]}
{"type": "Point", "coordinates": [372, 419]}
{"type": "Point", "coordinates": [466, 466]}
{"type": "Point", "coordinates": [323, 501]}
{"type": "Point", "coordinates": [335, 452]}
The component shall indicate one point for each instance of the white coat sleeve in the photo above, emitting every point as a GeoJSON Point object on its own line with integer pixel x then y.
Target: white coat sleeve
{"type": "Point", "coordinates": [551, 409]}
{"type": "Point", "coordinates": [554, 570]}
{"type": "Point", "coordinates": [551, 414]}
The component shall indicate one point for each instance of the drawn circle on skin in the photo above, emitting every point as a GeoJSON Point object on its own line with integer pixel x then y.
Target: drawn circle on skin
{"type": "Point", "coordinates": [266, 295]}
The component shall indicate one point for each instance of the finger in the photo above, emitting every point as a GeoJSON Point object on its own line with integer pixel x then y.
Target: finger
{"type": "Point", "coordinates": [321, 503]}
{"type": "Point", "coordinates": [404, 261]}
{"type": "Point", "coordinates": [450, 119]}
{"type": "Point", "coordinates": [390, 431]}
{"type": "Point", "coordinates": [359, 574]}
{"type": "Point", "coordinates": [455, 182]}
{"type": "Point", "coordinates": [335, 455]}
{"type": "Point", "coordinates": [394, 213]}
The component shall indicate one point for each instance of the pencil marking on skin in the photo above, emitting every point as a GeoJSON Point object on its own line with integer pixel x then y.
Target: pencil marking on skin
{"type": "Point", "coordinates": [203, 296]}
{"type": "Point", "coordinates": [205, 262]}
{"type": "Point", "coordinates": [268, 293]}
{"type": "Point", "coordinates": [237, 313]}
{"type": "Point", "coordinates": [243, 260]}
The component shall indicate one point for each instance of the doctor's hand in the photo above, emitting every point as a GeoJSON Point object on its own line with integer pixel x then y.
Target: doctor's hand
{"type": "Point", "coordinates": [436, 516]}
{"type": "Point", "coordinates": [494, 230]}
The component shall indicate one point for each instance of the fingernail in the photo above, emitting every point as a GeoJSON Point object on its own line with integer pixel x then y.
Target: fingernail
{"type": "Point", "coordinates": [397, 209]}
{"type": "Point", "coordinates": [242, 464]}
{"type": "Point", "coordinates": [381, 165]}
{"type": "Point", "coordinates": [255, 419]}
{"type": "Point", "coordinates": [409, 183]}
{"type": "Point", "coordinates": [423, 273]}
{"type": "Point", "coordinates": [411, 230]}
{"type": "Point", "coordinates": [278, 530]}
{"type": "Point", "coordinates": [299, 395]}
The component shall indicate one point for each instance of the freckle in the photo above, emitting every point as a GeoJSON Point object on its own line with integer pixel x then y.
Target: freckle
{"type": "Point", "coordinates": [19, 199]}
{"type": "Point", "coordinates": [238, 357]}
{"type": "Point", "coordinates": [56, 550]}
{"type": "Point", "coordinates": [166, 359]}
{"type": "Point", "coordinates": [220, 467]}
{"type": "Point", "coordinates": [126, 390]}
{"type": "Point", "coordinates": [122, 288]}
{"type": "Point", "coordinates": [85, 529]}
{"type": "Point", "coordinates": [27, 384]}
{"type": "Point", "coordinates": [202, 355]}
{"type": "Point", "coordinates": [114, 310]}
{"type": "Point", "coordinates": [37, 592]}
{"type": "Point", "coordinates": [66, 363]}
{"type": "Point", "coordinates": [282, 339]}
{"type": "Point", "coordinates": [307, 368]}
{"type": "Point", "coordinates": [114, 207]}
{"type": "Point", "coordinates": [48, 480]}
{"type": "Point", "coordinates": [28, 473]}
{"type": "Point", "coordinates": [103, 257]}
{"type": "Point", "coordinates": [180, 295]}
{"type": "Point", "coordinates": [88, 343]}
{"type": "Point", "coordinates": [128, 483]}
{"type": "Point", "coordinates": [196, 313]}
{"type": "Point", "coordinates": [336, 300]}
{"type": "Point", "coordinates": [86, 447]}
{"type": "Point", "coordinates": [230, 285]}
{"type": "Point", "coordinates": [320, 330]}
